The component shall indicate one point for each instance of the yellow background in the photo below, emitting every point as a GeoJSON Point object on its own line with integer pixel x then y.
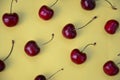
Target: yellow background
{"type": "Point", "coordinates": [56, 54]}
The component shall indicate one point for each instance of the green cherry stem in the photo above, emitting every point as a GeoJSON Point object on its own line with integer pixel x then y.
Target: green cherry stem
{"type": "Point", "coordinates": [10, 51]}
{"type": "Point", "coordinates": [54, 3]}
{"type": "Point", "coordinates": [118, 62]}
{"type": "Point", "coordinates": [93, 44]}
{"type": "Point", "coordinates": [55, 73]}
{"type": "Point", "coordinates": [114, 8]}
{"type": "Point", "coordinates": [12, 5]}
{"type": "Point", "coordinates": [95, 17]}
{"type": "Point", "coordinates": [49, 40]}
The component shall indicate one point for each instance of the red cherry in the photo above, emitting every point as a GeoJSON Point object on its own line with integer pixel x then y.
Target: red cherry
{"type": "Point", "coordinates": [114, 8]}
{"type": "Point", "coordinates": [79, 57]}
{"type": "Point", "coordinates": [110, 68]}
{"type": "Point", "coordinates": [111, 26]}
{"type": "Point", "coordinates": [69, 30]}
{"type": "Point", "coordinates": [2, 64]}
{"type": "Point", "coordinates": [10, 19]}
{"type": "Point", "coordinates": [32, 49]}
{"type": "Point", "coordinates": [42, 77]}
{"type": "Point", "coordinates": [88, 4]}
{"type": "Point", "coordinates": [46, 12]}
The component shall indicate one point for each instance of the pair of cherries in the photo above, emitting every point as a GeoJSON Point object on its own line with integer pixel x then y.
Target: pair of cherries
{"type": "Point", "coordinates": [79, 57]}
{"type": "Point", "coordinates": [69, 30]}
{"type": "Point", "coordinates": [47, 13]}
{"type": "Point", "coordinates": [11, 19]}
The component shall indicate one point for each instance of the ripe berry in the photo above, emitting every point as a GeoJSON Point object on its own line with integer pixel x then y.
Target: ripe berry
{"type": "Point", "coordinates": [79, 57]}
{"type": "Point", "coordinates": [88, 4]}
{"type": "Point", "coordinates": [111, 26]}
{"type": "Point", "coordinates": [32, 49]}
{"type": "Point", "coordinates": [10, 19]}
{"type": "Point", "coordinates": [69, 30]}
{"type": "Point", "coordinates": [111, 68]}
{"type": "Point", "coordinates": [46, 12]}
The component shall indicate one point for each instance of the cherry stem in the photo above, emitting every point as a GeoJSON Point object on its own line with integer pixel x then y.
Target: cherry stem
{"type": "Point", "coordinates": [10, 51]}
{"type": "Point", "coordinates": [11, 5]}
{"type": "Point", "coordinates": [88, 45]}
{"type": "Point", "coordinates": [118, 55]}
{"type": "Point", "coordinates": [118, 62]}
{"type": "Point", "coordinates": [114, 8]}
{"type": "Point", "coordinates": [54, 3]}
{"type": "Point", "coordinates": [49, 40]}
{"type": "Point", "coordinates": [87, 23]}
{"type": "Point", "coordinates": [55, 73]}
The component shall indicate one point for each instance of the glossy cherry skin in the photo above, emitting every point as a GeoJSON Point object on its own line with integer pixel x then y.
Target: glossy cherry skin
{"type": "Point", "coordinates": [78, 57]}
{"type": "Point", "coordinates": [2, 65]}
{"type": "Point", "coordinates": [31, 48]}
{"type": "Point", "coordinates": [46, 12]}
{"type": "Point", "coordinates": [40, 77]}
{"type": "Point", "coordinates": [88, 4]}
{"type": "Point", "coordinates": [111, 26]}
{"type": "Point", "coordinates": [69, 31]}
{"type": "Point", "coordinates": [110, 68]}
{"type": "Point", "coordinates": [10, 19]}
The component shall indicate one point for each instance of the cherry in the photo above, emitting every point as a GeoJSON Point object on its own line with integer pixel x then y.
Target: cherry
{"type": "Point", "coordinates": [111, 26]}
{"type": "Point", "coordinates": [2, 64]}
{"type": "Point", "coordinates": [88, 4]}
{"type": "Point", "coordinates": [79, 57]}
{"type": "Point", "coordinates": [46, 12]}
{"type": "Point", "coordinates": [114, 8]}
{"type": "Point", "coordinates": [110, 67]}
{"type": "Point", "coordinates": [10, 19]}
{"type": "Point", "coordinates": [31, 48]}
{"type": "Point", "coordinates": [42, 77]}
{"type": "Point", "coordinates": [69, 30]}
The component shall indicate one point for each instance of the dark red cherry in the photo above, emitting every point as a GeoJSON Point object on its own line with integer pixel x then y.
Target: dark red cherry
{"type": "Point", "coordinates": [46, 12]}
{"type": "Point", "coordinates": [111, 26]}
{"type": "Point", "coordinates": [2, 62]}
{"type": "Point", "coordinates": [69, 30]}
{"type": "Point", "coordinates": [2, 65]}
{"type": "Point", "coordinates": [10, 19]}
{"type": "Point", "coordinates": [79, 57]}
{"type": "Point", "coordinates": [42, 77]}
{"type": "Point", "coordinates": [110, 68]}
{"type": "Point", "coordinates": [88, 4]}
{"type": "Point", "coordinates": [32, 48]}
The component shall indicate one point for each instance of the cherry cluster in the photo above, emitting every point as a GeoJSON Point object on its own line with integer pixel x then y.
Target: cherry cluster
{"type": "Point", "coordinates": [69, 31]}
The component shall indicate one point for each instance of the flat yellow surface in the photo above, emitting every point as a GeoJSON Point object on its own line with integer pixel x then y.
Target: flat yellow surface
{"type": "Point", "coordinates": [56, 54]}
